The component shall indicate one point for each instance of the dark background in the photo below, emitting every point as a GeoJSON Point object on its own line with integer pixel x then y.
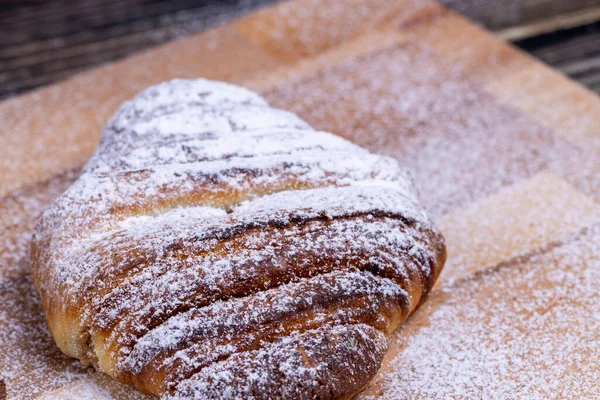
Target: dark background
{"type": "Point", "coordinates": [43, 41]}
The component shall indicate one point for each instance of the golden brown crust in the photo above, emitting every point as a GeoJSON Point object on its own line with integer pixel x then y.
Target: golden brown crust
{"type": "Point", "coordinates": [2, 389]}
{"type": "Point", "coordinates": [216, 245]}
{"type": "Point", "coordinates": [342, 356]}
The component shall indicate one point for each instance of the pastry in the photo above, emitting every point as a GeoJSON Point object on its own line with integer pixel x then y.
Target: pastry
{"type": "Point", "coordinates": [215, 247]}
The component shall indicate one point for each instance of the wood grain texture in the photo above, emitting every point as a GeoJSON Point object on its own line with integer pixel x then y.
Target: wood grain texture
{"type": "Point", "coordinates": [505, 152]}
{"type": "Point", "coordinates": [499, 15]}
{"type": "Point", "coordinates": [575, 52]}
{"type": "Point", "coordinates": [47, 41]}
{"type": "Point", "coordinates": [560, 23]}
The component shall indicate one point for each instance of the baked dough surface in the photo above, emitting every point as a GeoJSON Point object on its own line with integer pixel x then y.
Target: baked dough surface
{"type": "Point", "coordinates": [215, 247]}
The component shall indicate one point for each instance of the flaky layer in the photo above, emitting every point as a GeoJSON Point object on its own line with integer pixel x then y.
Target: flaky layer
{"type": "Point", "coordinates": [216, 245]}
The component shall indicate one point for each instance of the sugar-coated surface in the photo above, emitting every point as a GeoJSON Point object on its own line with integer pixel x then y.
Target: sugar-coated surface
{"type": "Point", "coordinates": [208, 226]}
{"type": "Point", "coordinates": [526, 330]}
{"type": "Point", "coordinates": [426, 102]}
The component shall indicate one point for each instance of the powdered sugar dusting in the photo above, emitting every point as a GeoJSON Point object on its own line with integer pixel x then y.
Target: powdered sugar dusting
{"type": "Point", "coordinates": [81, 390]}
{"type": "Point", "coordinates": [527, 330]}
{"type": "Point", "coordinates": [462, 144]}
{"type": "Point", "coordinates": [30, 363]}
{"type": "Point", "coordinates": [312, 364]}
{"type": "Point", "coordinates": [204, 205]}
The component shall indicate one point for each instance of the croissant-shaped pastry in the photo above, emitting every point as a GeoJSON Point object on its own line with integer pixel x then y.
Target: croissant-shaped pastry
{"type": "Point", "coordinates": [215, 247]}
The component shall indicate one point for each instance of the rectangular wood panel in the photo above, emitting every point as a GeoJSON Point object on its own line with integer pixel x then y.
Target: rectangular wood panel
{"type": "Point", "coordinates": [503, 149]}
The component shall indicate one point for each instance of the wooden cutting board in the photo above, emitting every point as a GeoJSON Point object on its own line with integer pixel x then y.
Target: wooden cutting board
{"type": "Point", "coordinates": [505, 152]}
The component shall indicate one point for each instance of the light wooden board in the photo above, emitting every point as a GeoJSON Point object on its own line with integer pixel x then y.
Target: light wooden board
{"type": "Point", "coordinates": [504, 151]}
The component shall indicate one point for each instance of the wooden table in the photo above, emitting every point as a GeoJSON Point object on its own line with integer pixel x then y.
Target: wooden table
{"type": "Point", "coordinates": [505, 152]}
{"type": "Point", "coordinates": [45, 41]}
